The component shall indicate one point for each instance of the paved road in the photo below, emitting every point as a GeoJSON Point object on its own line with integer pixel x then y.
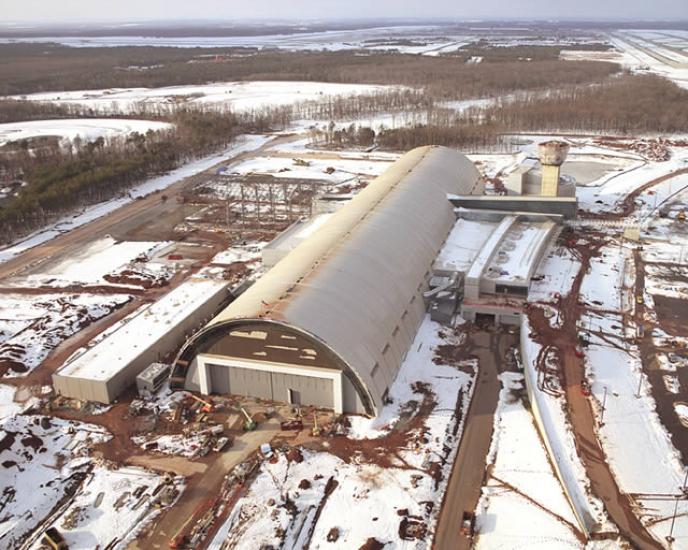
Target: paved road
{"type": "Point", "coordinates": [128, 217]}
{"type": "Point", "coordinates": [467, 476]}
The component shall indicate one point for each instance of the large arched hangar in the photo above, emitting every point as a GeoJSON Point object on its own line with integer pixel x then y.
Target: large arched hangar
{"type": "Point", "coordinates": [331, 323]}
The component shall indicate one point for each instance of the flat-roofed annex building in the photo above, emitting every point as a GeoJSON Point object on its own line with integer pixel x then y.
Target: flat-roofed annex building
{"type": "Point", "coordinates": [331, 323]}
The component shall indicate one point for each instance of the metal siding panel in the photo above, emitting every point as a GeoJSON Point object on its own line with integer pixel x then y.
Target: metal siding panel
{"type": "Point", "coordinates": [313, 391]}
{"type": "Point", "coordinates": [254, 383]}
{"type": "Point", "coordinates": [219, 379]}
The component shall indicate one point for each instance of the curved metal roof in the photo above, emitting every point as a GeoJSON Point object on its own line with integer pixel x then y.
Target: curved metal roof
{"type": "Point", "coordinates": [351, 282]}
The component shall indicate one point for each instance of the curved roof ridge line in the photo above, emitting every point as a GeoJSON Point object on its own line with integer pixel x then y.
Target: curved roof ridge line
{"type": "Point", "coordinates": [347, 235]}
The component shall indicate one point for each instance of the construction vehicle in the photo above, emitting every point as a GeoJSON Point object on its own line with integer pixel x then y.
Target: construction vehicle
{"type": "Point", "coordinates": [468, 524]}
{"type": "Point", "coordinates": [250, 424]}
{"type": "Point", "coordinates": [207, 406]}
{"type": "Point", "coordinates": [54, 539]}
{"type": "Point", "coordinates": [681, 216]}
{"type": "Point", "coordinates": [316, 430]}
{"type": "Point", "coordinates": [292, 424]}
{"type": "Point", "coordinates": [585, 388]}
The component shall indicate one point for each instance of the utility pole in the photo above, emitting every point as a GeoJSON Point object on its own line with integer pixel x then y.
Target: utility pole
{"type": "Point", "coordinates": [640, 383]}
{"type": "Point", "coordinates": [670, 536]}
{"type": "Point", "coordinates": [604, 406]}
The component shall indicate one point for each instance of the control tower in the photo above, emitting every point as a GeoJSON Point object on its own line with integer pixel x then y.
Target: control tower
{"type": "Point", "coordinates": [552, 155]}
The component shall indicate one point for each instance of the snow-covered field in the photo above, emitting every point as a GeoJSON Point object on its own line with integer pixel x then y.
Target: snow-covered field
{"type": "Point", "coordinates": [111, 507]}
{"type": "Point", "coordinates": [643, 54]}
{"type": "Point", "coordinates": [638, 447]}
{"type": "Point", "coordinates": [95, 261]}
{"type": "Point", "coordinates": [522, 484]}
{"type": "Point", "coordinates": [376, 499]}
{"type": "Point", "coordinates": [67, 130]}
{"type": "Point", "coordinates": [32, 326]}
{"type": "Point", "coordinates": [41, 460]}
{"type": "Point", "coordinates": [239, 96]}
{"type": "Point", "coordinates": [334, 170]}
{"type": "Point", "coordinates": [426, 40]}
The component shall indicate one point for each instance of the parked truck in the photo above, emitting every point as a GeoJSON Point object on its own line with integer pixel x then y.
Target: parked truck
{"type": "Point", "coordinates": [468, 524]}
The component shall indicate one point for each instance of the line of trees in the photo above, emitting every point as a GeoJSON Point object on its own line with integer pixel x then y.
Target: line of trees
{"type": "Point", "coordinates": [628, 104]}
{"type": "Point", "coordinates": [28, 68]}
{"type": "Point", "coordinates": [60, 180]}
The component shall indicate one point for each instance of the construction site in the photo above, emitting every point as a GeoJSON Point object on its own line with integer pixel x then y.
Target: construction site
{"type": "Point", "coordinates": [289, 344]}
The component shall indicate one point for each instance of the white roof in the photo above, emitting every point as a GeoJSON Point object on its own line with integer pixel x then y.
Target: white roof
{"type": "Point", "coordinates": [516, 258]}
{"type": "Point", "coordinates": [132, 338]}
{"type": "Point", "coordinates": [463, 244]}
{"type": "Point", "coordinates": [489, 248]}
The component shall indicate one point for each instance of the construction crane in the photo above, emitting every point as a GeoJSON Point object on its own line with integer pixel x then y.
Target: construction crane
{"type": "Point", "coordinates": [207, 406]}
{"type": "Point", "coordinates": [250, 424]}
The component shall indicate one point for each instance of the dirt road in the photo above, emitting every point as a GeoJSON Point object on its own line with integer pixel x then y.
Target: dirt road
{"type": "Point", "coordinates": [468, 473]}
{"type": "Point", "coordinates": [203, 485]}
{"type": "Point", "coordinates": [618, 505]}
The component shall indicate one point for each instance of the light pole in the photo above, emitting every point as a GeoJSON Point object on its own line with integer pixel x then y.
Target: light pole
{"type": "Point", "coordinates": [604, 406]}
{"type": "Point", "coordinates": [670, 536]}
{"type": "Point", "coordinates": [640, 383]}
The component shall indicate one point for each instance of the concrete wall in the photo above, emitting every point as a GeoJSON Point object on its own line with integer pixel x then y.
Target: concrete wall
{"type": "Point", "coordinates": [564, 206]}
{"type": "Point", "coordinates": [552, 435]}
{"type": "Point", "coordinates": [503, 315]}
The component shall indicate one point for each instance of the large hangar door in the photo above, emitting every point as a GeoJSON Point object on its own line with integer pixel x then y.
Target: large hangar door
{"type": "Point", "coordinates": [239, 381]}
{"type": "Point", "coordinates": [303, 390]}
{"type": "Point", "coordinates": [299, 389]}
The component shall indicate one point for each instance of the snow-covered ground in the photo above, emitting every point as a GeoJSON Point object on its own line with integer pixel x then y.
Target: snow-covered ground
{"type": "Point", "coordinates": [425, 39]}
{"type": "Point", "coordinates": [32, 326]}
{"type": "Point", "coordinates": [41, 459]}
{"type": "Point", "coordinates": [602, 287]}
{"type": "Point", "coordinates": [334, 170]}
{"type": "Point", "coordinates": [244, 143]}
{"type": "Point", "coordinates": [67, 130]}
{"type": "Point", "coordinates": [521, 484]}
{"type": "Point", "coordinates": [239, 96]}
{"type": "Point", "coordinates": [376, 499]}
{"type": "Point", "coordinates": [638, 447]}
{"type": "Point", "coordinates": [110, 508]}
{"type": "Point", "coordinates": [559, 438]}
{"type": "Point", "coordinates": [95, 261]}
{"type": "Point", "coordinates": [643, 54]}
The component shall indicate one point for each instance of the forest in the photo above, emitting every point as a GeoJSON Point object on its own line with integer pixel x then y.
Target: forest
{"type": "Point", "coordinates": [580, 96]}
{"type": "Point", "coordinates": [29, 68]}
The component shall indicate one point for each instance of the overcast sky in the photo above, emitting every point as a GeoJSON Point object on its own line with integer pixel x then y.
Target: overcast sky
{"type": "Point", "coordinates": [122, 10]}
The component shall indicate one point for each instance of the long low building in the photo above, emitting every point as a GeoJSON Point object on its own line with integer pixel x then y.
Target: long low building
{"type": "Point", "coordinates": [108, 367]}
{"type": "Point", "coordinates": [331, 322]}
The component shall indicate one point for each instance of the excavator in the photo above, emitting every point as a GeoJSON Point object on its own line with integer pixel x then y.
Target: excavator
{"type": "Point", "coordinates": [250, 424]}
{"type": "Point", "coordinates": [208, 407]}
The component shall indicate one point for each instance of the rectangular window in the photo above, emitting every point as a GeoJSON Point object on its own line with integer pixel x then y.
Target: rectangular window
{"type": "Point", "coordinates": [386, 349]}
{"type": "Point", "coordinates": [375, 369]}
{"type": "Point", "coordinates": [396, 331]}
